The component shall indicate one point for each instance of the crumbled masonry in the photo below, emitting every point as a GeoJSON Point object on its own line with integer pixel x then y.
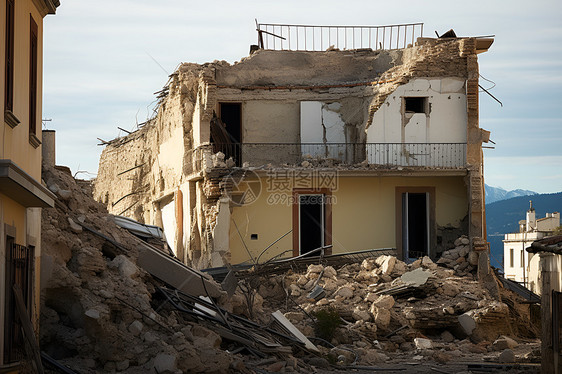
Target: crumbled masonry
{"type": "Point", "coordinates": [100, 313]}
{"type": "Point", "coordinates": [173, 158]}
{"type": "Point", "coordinates": [96, 312]}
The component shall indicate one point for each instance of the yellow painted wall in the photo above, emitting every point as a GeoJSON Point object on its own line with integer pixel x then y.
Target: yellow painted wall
{"type": "Point", "coordinates": [14, 143]}
{"type": "Point", "coordinates": [14, 215]}
{"type": "Point", "coordinates": [269, 220]}
{"type": "Point", "coordinates": [363, 214]}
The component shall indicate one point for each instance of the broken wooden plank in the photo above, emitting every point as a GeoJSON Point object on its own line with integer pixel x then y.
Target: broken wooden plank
{"type": "Point", "coordinates": [27, 328]}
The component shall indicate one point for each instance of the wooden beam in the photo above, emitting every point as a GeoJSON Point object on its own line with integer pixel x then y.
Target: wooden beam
{"type": "Point", "coordinates": [547, 353]}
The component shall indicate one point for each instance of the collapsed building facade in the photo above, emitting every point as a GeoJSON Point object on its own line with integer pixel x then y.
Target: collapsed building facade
{"type": "Point", "coordinates": [288, 151]}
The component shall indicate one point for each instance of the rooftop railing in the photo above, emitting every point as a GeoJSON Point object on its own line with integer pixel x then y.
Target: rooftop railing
{"type": "Point", "coordinates": [428, 155]}
{"type": "Point", "coordinates": [276, 36]}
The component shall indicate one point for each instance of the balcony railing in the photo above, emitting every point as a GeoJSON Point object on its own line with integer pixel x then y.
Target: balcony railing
{"type": "Point", "coordinates": [430, 155]}
{"type": "Point", "coordinates": [276, 36]}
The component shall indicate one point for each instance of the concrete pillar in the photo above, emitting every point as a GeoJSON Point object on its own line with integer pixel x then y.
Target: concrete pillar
{"type": "Point", "coordinates": [48, 152]}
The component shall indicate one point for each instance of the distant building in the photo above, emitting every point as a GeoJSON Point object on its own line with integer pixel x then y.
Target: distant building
{"type": "Point", "coordinates": [515, 259]}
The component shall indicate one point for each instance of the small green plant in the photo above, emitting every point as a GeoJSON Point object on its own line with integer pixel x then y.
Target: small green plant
{"type": "Point", "coordinates": [327, 321]}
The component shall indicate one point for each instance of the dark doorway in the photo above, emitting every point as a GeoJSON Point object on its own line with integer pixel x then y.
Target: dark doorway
{"type": "Point", "coordinates": [19, 262]}
{"type": "Point", "coordinates": [231, 117]}
{"type": "Point", "coordinates": [415, 225]}
{"type": "Point", "coordinates": [311, 222]}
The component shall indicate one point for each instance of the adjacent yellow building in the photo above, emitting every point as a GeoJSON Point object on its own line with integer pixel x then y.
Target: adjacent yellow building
{"type": "Point", "coordinates": [21, 193]}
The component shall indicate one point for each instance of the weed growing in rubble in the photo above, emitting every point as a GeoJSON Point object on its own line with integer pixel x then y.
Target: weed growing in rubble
{"type": "Point", "coordinates": [327, 321]}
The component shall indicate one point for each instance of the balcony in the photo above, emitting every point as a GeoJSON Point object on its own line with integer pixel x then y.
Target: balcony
{"type": "Point", "coordinates": [390, 155]}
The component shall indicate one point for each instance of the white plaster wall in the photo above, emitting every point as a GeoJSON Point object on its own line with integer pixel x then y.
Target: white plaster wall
{"type": "Point", "coordinates": [196, 125]}
{"type": "Point", "coordinates": [169, 223]}
{"type": "Point", "coordinates": [186, 224]}
{"type": "Point", "coordinates": [549, 223]}
{"type": "Point", "coordinates": [416, 129]}
{"type": "Point", "coordinates": [221, 233]}
{"type": "Point", "coordinates": [519, 242]}
{"type": "Point", "coordinates": [446, 122]}
{"type": "Point", "coordinates": [333, 123]}
{"type": "Point", "coordinates": [322, 123]}
{"type": "Point", "coordinates": [310, 122]}
{"type": "Point", "coordinates": [170, 151]}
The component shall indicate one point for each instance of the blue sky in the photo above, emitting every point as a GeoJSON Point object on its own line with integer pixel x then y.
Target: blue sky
{"type": "Point", "coordinates": [103, 61]}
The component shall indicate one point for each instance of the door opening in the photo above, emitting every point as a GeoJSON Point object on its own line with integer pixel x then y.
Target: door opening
{"type": "Point", "coordinates": [415, 225]}
{"type": "Point", "coordinates": [311, 222]}
{"type": "Point", "coordinates": [19, 265]}
{"type": "Point", "coordinates": [231, 117]}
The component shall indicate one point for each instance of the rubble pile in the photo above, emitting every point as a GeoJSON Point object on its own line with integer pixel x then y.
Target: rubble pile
{"type": "Point", "coordinates": [460, 258]}
{"type": "Point", "coordinates": [101, 312]}
{"type": "Point", "coordinates": [395, 311]}
{"type": "Point", "coordinates": [97, 312]}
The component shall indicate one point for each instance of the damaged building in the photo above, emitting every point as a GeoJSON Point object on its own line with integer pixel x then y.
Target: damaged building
{"type": "Point", "coordinates": [370, 144]}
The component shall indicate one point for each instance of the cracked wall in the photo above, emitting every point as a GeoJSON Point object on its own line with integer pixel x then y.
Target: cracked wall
{"type": "Point", "coordinates": [355, 94]}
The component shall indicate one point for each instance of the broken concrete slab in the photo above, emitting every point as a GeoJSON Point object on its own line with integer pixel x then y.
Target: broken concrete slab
{"type": "Point", "coordinates": [422, 343]}
{"type": "Point", "coordinates": [279, 317]}
{"type": "Point", "coordinates": [176, 274]}
{"type": "Point", "coordinates": [416, 277]}
{"type": "Point", "coordinates": [467, 323]}
{"type": "Point", "coordinates": [504, 342]}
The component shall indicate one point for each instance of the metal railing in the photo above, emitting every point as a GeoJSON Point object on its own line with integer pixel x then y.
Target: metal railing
{"type": "Point", "coordinates": [276, 36]}
{"type": "Point", "coordinates": [433, 155]}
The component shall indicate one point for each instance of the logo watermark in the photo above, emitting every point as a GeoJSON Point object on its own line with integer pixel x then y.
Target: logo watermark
{"type": "Point", "coordinates": [244, 187]}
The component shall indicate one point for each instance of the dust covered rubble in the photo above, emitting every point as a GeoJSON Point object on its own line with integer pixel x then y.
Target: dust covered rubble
{"type": "Point", "coordinates": [393, 311]}
{"type": "Point", "coordinates": [97, 312]}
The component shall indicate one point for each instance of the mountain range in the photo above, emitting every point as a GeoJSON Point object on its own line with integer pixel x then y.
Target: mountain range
{"type": "Point", "coordinates": [494, 194]}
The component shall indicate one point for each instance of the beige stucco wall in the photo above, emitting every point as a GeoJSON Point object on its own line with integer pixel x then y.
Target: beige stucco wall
{"type": "Point", "coordinates": [265, 121]}
{"type": "Point", "coordinates": [363, 214]}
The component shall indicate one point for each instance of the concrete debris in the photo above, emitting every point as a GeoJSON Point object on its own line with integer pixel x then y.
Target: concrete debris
{"type": "Point", "coordinates": [461, 258]}
{"type": "Point", "coordinates": [504, 342]}
{"type": "Point", "coordinates": [422, 343]}
{"type": "Point", "coordinates": [392, 310]}
{"type": "Point", "coordinates": [507, 356]}
{"type": "Point", "coordinates": [98, 312]}
{"type": "Point", "coordinates": [104, 312]}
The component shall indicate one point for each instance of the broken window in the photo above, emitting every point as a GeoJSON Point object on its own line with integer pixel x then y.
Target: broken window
{"type": "Point", "coordinates": [226, 132]}
{"type": "Point", "coordinates": [415, 104]}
